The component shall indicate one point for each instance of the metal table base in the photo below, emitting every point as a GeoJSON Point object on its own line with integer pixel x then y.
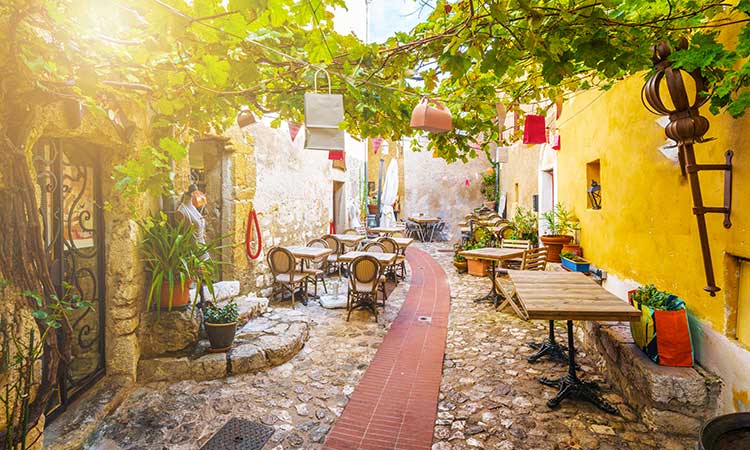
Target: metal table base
{"type": "Point", "coordinates": [571, 386]}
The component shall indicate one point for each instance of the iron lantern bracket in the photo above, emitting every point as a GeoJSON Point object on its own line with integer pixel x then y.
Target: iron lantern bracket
{"type": "Point", "coordinates": [727, 169]}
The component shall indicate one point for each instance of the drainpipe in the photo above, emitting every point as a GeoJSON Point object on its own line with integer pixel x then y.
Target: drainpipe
{"type": "Point", "coordinates": [380, 189]}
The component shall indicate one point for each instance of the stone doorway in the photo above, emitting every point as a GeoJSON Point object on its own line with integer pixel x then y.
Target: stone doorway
{"type": "Point", "coordinates": [71, 206]}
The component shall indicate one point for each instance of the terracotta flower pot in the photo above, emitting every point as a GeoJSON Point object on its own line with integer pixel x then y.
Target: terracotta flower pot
{"type": "Point", "coordinates": [180, 294]}
{"type": "Point", "coordinates": [372, 208]}
{"type": "Point", "coordinates": [573, 248]}
{"type": "Point", "coordinates": [221, 335]}
{"type": "Point", "coordinates": [478, 267]}
{"type": "Point", "coordinates": [554, 246]}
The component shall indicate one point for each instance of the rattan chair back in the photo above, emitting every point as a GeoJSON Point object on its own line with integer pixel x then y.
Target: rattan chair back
{"type": "Point", "coordinates": [389, 245]}
{"type": "Point", "coordinates": [281, 261]}
{"type": "Point", "coordinates": [375, 247]}
{"type": "Point", "coordinates": [364, 274]}
{"type": "Point", "coordinates": [333, 243]}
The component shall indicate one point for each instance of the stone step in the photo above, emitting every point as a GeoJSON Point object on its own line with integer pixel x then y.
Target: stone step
{"type": "Point", "coordinates": [266, 341]}
{"type": "Point", "coordinates": [223, 290]}
{"type": "Point", "coordinates": [249, 306]}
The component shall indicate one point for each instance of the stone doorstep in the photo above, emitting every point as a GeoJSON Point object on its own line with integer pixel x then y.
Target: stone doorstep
{"type": "Point", "coordinates": [267, 341]}
{"type": "Point", "coordinates": [674, 398]}
{"type": "Point", "coordinates": [71, 429]}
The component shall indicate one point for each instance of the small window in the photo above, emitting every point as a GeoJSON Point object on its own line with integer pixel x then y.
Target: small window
{"type": "Point", "coordinates": [594, 186]}
{"type": "Point", "coordinates": [516, 197]}
{"type": "Point", "coordinates": [738, 298]}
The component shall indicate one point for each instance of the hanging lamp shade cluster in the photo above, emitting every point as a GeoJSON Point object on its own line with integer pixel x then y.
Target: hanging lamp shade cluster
{"type": "Point", "coordinates": [431, 116]}
{"type": "Point", "coordinates": [323, 115]}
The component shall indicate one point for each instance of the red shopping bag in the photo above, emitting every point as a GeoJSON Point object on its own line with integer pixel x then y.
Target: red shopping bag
{"type": "Point", "coordinates": [673, 338]}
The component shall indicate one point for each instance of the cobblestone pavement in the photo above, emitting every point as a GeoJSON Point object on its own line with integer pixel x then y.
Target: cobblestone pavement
{"type": "Point", "coordinates": [300, 399]}
{"type": "Point", "coordinates": [490, 397]}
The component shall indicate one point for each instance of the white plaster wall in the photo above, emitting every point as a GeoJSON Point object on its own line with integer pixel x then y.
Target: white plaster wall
{"type": "Point", "coordinates": [293, 194]}
{"type": "Point", "coordinates": [435, 188]}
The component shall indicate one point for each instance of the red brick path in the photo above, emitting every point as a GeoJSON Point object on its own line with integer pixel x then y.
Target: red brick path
{"type": "Point", "coordinates": [395, 403]}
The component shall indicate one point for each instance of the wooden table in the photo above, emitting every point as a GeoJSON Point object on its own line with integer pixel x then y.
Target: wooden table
{"type": "Point", "coordinates": [307, 254]}
{"type": "Point", "coordinates": [424, 219]}
{"type": "Point", "coordinates": [426, 225]}
{"type": "Point", "coordinates": [493, 255]}
{"type": "Point", "coordinates": [304, 253]}
{"type": "Point", "coordinates": [569, 296]}
{"type": "Point", "coordinates": [403, 242]}
{"type": "Point", "coordinates": [349, 240]}
{"type": "Point", "coordinates": [386, 230]}
{"type": "Point", "coordinates": [385, 259]}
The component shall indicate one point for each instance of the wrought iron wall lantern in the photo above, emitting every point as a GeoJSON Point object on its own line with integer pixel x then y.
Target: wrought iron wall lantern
{"type": "Point", "coordinates": [687, 127]}
{"type": "Point", "coordinates": [595, 195]}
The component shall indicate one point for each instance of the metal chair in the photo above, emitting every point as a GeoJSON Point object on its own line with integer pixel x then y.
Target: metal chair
{"type": "Point", "coordinates": [317, 271]}
{"type": "Point", "coordinates": [283, 266]}
{"type": "Point", "coordinates": [364, 278]}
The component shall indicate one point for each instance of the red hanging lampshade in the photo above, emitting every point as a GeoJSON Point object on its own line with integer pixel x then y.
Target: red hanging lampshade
{"type": "Point", "coordinates": [534, 130]}
{"type": "Point", "coordinates": [336, 155]}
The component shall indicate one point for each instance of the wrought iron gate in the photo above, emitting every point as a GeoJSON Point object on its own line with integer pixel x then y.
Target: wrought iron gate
{"type": "Point", "coordinates": [70, 195]}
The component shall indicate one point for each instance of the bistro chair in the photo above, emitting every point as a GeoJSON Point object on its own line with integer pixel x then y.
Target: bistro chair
{"type": "Point", "coordinates": [351, 231]}
{"type": "Point", "coordinates": [364, 279]}
{"type": "Point", "coordinates": [333, 259]}
{"type": "Point", "coordinates": [347, 247]}
{"type": "Point", "coordinates": [283, 267]}
{"type": "Point", "coordinates": [317, 268]}
{"type": "Point", "coordinates": [377, 247]}
{"type": "Point", "coordinates": [390, 246]}
{"type": "Point", "coordinates": [399, 234]}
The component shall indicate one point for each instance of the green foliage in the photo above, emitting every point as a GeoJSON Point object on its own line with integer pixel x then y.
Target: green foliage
{"type": "Point", "coordinates": [652, 297]}
{"type": "Point", "coordinates": [174, 257]}
{"type": "Point", "coordinates": [457, 248]}
{"type": "Point", "coordinates": [488, 186]}
{"type": "Point", "coordinates": [569, 255]}
{"type": "Point", "coordinates": [525, 225]}
{"type": "Point", "coordinates": [481, 238]}
{"type": "Point", "coordinates": [228, 313]}
{"type": "Point", "coordinates": [151, 170]}
{"type": "Point", "coordinates": [560, 221]}
{"type": "Point", "coordinates": [53, 315]}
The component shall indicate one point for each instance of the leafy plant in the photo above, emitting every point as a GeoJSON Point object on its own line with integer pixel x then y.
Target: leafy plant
{"type": "Point", "coordinates": [524, 224]}
{"type": "Point", "coordinates": [569, 255]}
{"type": "Point", "coordinates": [151, 170]}
{"type": "Point", "coordinates": [228, 313]}
{"type": "Point", "coordinates": [457, 248]}
{"type": "Point", "coordinates": [560, 221]}
{"type": "Point", "coordinates": [19, 360]}
{"type": "Point", "coordinates": [173, 256]}
{"type": "Point", "coordinates": [488, 186]}
{"type": "Point", "coordinates": [656, 299]}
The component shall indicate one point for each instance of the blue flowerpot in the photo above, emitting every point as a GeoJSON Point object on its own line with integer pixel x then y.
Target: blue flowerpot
{"type": "Point", "coordinates": [576, 266]}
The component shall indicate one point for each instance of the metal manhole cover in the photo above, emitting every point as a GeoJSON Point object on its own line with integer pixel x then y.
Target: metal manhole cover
{"type": "Point", "coordinates": [427, 319]}
{"type": "Point", "coordinates": [239, 434]}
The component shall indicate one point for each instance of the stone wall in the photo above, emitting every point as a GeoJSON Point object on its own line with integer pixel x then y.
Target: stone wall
{"type": "Point", "coordinates": [679, 399]}
{"type": "Point", "coordinates": [292, 196]}
{"type": "Point", "coordinates": [436, 188]}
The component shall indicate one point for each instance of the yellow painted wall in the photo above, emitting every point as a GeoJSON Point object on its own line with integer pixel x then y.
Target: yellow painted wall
{"type": "Point", "coordinates": [522, 170]}
{"type": "Point", "coordinates": [645, 230]}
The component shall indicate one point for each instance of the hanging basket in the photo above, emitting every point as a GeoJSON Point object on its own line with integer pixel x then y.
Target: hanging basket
{"type": "Point", "coordinates": [323, 114]}
{"type": "Point", "coordinates": [434, 119]}
{"type": "Point", "coordinates": [534, 130]}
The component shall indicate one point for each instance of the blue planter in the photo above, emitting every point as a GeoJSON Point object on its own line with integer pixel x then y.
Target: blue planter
{"type": "Point", "coordinates": [576, 266]}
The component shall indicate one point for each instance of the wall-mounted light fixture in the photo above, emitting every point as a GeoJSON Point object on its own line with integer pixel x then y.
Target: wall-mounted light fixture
{"type": "Point", "coordinates": [687, 127]}
{"type": "Point", "coordinates": [595, 195]}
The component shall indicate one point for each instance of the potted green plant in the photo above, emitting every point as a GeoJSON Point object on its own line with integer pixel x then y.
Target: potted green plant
{"type": "Point", "coordinates": [524, 224]}
{"type": "Point", "coordinates": [488, 189]}
{"type": "Point", "coordinates": [560, 225]}
{"type": "Point", "coordinates": [459, 262]}
{"type": "Point", "coordinates": [221, 325]}
{"type": "Point", "coordinates": [174, 259]}
{"type": "Point", "coordinates": [574, 263]}
{"type": "Point", "coordinates": [481, 238]}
